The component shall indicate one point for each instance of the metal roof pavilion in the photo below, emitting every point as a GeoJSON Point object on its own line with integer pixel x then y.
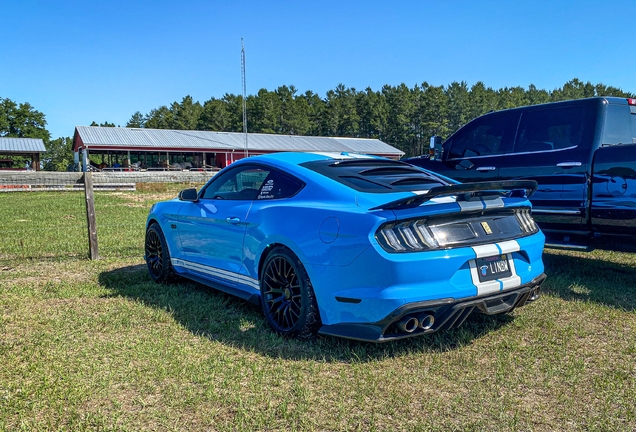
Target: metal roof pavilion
{"type": "Point", "coordinates": [27, 147]}
{"type": "Point", "coordinates": [21, 145]}
{"type": "Point", "coordinates": [135, 139]}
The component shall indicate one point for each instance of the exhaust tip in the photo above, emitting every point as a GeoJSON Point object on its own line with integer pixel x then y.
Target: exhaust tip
{"type": "Point", "coordinates": [426, 321]}
{"type": "Point", "coordinates": [536, 293]}
{"type": "Point", "coordinates": [408, 324]}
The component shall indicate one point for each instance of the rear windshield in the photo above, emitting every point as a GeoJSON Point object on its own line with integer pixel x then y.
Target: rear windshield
{"type": "Point", "coordinates": [376, 175]}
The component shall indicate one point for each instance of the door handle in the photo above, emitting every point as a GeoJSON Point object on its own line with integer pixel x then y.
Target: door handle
{"type": "Point", "coordinates": [491, 168]}
{"type": "Point", "coordinates": [568, 164]}
{"type": "Point", "coordinates": [233, 220]}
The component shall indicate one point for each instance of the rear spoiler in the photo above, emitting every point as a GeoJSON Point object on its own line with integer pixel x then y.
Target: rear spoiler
{"type": "Point", "coordinates": [467, 192]}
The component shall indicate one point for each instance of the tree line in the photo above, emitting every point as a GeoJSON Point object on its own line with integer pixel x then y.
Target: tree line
{"type": "Point", "coordinates": [402, 116]}
{"type": "Point", "coordinates": [405, 117]}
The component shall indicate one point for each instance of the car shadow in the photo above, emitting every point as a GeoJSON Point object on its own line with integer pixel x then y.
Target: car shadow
{"type": "Point", "coordinates": [588, 277]}
{"type": "Point", "coordinates": [220, 317]}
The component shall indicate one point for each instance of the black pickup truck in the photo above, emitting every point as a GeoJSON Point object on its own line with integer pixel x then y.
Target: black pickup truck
{"type": "Point", "coordinates": [581, 152]}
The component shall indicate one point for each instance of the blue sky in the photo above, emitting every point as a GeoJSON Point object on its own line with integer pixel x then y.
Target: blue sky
{"type": "Point", "coordinates": [79, 61]}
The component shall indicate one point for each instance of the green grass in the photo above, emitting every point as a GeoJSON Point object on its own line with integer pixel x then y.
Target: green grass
{"type": "Point", "coordinates": [95, 345]}
{"type": "Point", "coordinates": [53, 224]}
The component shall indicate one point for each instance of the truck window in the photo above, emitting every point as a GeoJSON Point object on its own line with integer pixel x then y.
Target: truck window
{"type": "Point", "coordinates": [550, 129]}
{"type": "Point", "coordinates": [632, 109]}
{"type": "Point", "coordinates": [618, 125]}
{"type": "Point", "coordinates": [483, 137]}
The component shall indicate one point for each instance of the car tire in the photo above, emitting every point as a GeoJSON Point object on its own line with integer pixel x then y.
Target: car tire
{"type": "Point", "coordinates": [287, 296]}
{"type": "Point", "coordinates": [157, 255]}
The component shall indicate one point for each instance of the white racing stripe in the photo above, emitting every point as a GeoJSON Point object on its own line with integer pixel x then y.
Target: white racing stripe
{"type": "Point", "coordinates": [471, 205]}
{"type": "Point", "coordinates": [344, 155]}
{"type": "Point", "coordinates": [443, 200]}
{"type": "Point", "coordinates": [216, 272]}
{"type": "Point", "coordinates": [482, 287]}
{"type": "Point", "coordinates": [483, 251]}
{"type": "Point", "coordinates": [480, 204]}
{"type": "Point", "coordinates": [512, 281]}
{"type": "Point", "coordinates": [509, 246]}
{"type": "Point", "coordinates": [494, 203]}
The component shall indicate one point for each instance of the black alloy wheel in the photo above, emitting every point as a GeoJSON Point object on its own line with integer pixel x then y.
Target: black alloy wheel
{"type": "Point", "coordinates": [287, 297]}
{"type": "Point", "coordinates": [157, 255]}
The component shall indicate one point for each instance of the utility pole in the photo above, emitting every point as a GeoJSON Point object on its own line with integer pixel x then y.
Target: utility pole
{"type": "Point", "coordinates": [244, 97]}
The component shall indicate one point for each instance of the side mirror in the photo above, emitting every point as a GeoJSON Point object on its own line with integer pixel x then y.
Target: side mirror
{"type": "Point", "coordinates": [189, 195]}
{"type": "Point", "coordinates": [435, 153]}
{"type": "Point", "coordinates": [465, 165]}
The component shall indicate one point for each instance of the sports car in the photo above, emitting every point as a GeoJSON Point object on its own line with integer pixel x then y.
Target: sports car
{"type": "Point", "coordinates": [351, 245]}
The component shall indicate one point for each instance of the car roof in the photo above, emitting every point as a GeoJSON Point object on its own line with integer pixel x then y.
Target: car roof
{"type": "Point", "coordinates": [355, 172]}
{"type": "Point", "coordinates": [297, 158]}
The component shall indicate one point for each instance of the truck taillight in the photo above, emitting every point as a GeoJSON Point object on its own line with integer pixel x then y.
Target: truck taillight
{"type": "Point", "coordinates": [631, 101]}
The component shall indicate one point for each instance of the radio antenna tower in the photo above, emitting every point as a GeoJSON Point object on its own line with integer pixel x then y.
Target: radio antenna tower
{"type": "Point", "coordinates": [244, 96]}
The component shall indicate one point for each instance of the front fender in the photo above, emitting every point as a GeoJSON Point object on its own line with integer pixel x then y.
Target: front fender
{"type": "Point", "coordinates": [165, 214]}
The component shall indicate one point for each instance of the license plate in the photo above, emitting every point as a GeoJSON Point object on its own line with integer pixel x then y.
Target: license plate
{"type": "Point", "coordinates": [494, 267]}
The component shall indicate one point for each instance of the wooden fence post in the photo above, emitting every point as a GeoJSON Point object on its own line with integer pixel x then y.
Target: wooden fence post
{"type": "Point", "coordinates": [90, 215]}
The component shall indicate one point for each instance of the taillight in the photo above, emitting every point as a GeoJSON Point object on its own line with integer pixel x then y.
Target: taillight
{"type": "Point", "coordinates": [631, 101]}
{"type": "Point", "coordinates": [419, 235]}
{"type": "Point", "coordinates": [526, 222]}
{"type": "Point", "coordinates": [409, 236]}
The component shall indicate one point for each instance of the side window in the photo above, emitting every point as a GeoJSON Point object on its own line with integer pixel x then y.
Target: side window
{"type": "Point", "coordinates": [550, 129]}
{"type": "Point", "coordinates": [237, 184]}
{"type": "Point", "coordinates": [617, 128]}
{"type": "Point", "coordinates": [633, 117]}
{"type": "Point", "coordinates": [483, 137]}
{"type": "Point", "coordinates": [278, 185]}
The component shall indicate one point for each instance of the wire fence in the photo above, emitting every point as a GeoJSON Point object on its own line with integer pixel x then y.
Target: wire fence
{"type": "Point", "coordinates": [43, 215]}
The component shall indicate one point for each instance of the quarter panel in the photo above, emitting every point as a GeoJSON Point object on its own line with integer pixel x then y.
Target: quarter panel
{"type": "Point", "coordinates": [298, 227]}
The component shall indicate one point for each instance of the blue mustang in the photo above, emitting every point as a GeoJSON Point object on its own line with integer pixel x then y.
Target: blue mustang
{"type": "Point", "coordinates": [352, 245]}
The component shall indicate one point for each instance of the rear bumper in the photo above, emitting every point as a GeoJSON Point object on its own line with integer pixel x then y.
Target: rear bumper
{"type": "Point", "coordinates": [446, 314]}
{"type": "Point", "coordinates": [377, 283]}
